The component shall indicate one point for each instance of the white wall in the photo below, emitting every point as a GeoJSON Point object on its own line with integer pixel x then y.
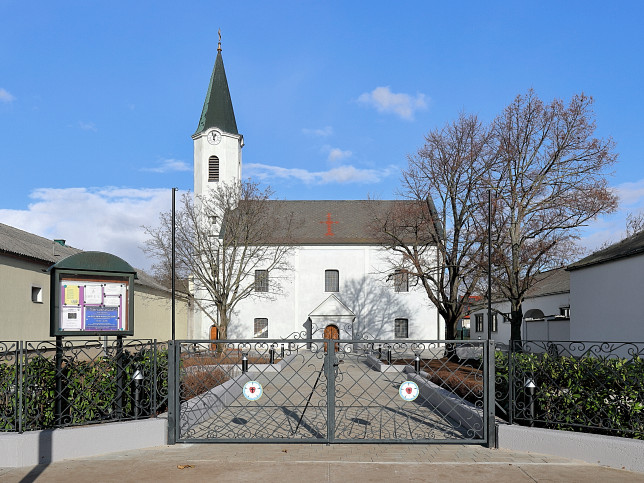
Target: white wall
{"type": "Point", "coordinates": [548, 304]}
{"type": "Point", "coordinates": [364, 290]}
{"type": "Point", "coordinates": [607, 301]}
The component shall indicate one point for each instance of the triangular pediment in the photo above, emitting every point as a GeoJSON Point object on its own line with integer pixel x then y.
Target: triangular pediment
{"type": "Point", "coordinates": [332, 307]}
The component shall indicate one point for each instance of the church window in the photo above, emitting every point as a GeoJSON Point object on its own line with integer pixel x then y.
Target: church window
{"type": "Point", "coordinates": [260, 329]}
{"type": "Point", "coordinates": [479, 323]}
{"type": "Point", "coordinates": [261, 280]}
{"type": "Point", "coordinates": [213, 168]}
{"type": "Point", "coordinates": [331, 281]}
{"type": "Point", "coordinates": [401, 281]}
{"type": "Point", "coordinates": [401, 328]}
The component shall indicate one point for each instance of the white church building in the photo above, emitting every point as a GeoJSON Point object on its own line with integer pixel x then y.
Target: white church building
{"type": "Point", "coordinates": [341, 284]}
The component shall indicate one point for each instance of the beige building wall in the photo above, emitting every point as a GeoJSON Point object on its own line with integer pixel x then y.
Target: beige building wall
{"type": "Point", "coordinates": [20, 317]}
{"type": "Point", "coordinates": [27, 320]}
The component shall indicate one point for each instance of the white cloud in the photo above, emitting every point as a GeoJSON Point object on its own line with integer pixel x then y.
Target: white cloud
{"type": "Point", "coordinates": [341, 174]}
{"type": "Point", "coordinates": [169, 165]}
{"type": "Point", "coordinates": [105, 219]}
{"type": "Point", "coordinates": [336, 154]}
{"type": "Point", "coordinates": [324, 132]}
{"type": "Point", "coordinates": [87, 126]}
{"type": "Point", "coordinates": [631, 193]}
{"type": "Point", "coordinates": [403, 105]}
{"type": "Point", "coordinates": [5, 96]}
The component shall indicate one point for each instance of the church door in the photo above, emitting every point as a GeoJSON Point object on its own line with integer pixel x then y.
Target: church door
{"type": "Point", "coordinates": [331, 332]}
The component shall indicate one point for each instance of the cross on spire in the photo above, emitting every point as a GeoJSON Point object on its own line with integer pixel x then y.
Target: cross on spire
{"type": "Point", "coordinates": [329, 224]}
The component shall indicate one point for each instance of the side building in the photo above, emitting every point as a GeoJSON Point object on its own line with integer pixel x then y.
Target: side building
{"type": "Point", "coordinates": [25, 291]}
{"type": "Point", "coordinates": [605, 289]}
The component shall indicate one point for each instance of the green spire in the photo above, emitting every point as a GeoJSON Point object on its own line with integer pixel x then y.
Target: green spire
{"type": "Point", "coordinates": [218, 108]}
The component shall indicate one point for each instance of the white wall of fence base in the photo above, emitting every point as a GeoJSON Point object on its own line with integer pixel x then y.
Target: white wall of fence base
{"type": "Point", "coordinates": [620, 453]}
{"type": "Point", "coordinates": [51, 445]}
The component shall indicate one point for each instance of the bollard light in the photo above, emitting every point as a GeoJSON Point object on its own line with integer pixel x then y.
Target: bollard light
{"type": "Point", "coordinates": [282, 350]}
{"type": "Point", "coordinates": [271, 353]}
{"type": "Point", "coordinates": [531, 386]}
{"type": "Point", "coordinates": [244, 362]}
{"type": "Point", "coordinates": [417, 364]}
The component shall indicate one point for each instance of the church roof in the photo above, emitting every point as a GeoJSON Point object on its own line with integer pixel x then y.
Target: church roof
{"type": "Point", "coordinates": [218, 107]}
{"type": "Point", "coordinates": [333, 222]}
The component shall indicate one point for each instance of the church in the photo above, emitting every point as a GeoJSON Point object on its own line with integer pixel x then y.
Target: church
{"type": "Point", "coordinates": [340, 283]}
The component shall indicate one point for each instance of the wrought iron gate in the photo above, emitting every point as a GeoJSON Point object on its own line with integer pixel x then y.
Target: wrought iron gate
{"type": "Point", "coordinates": [324, 391]}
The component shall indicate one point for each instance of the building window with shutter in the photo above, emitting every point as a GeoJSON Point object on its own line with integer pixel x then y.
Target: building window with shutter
{"type": "Point", "coordinates": [479, 323]}
{"type": "Point", "coordinates": [401, 281]}
{"type": "Point", "coordinates": [401, 328]}
{"type": "Point", "coordinates": [260, 330]}
{"type": "Point", "coordinates": [331, 281]}
{"type": "Point", "coordinates": [261, 280]}
{"type": "Point", "coordinates": [213, 168]}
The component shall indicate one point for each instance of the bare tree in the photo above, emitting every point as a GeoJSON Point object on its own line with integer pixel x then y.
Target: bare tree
{"type": "Point", "coordinates": [436, 238]}
{"type": "Point", "coordinates": [634, 223]}
{"type": "Point", "coordinates": [222, 239]}
{"type": "Point", "coordinates": [549, 180]}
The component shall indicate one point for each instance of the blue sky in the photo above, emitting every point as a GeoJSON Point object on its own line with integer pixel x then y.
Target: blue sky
{"type": "Point", "coordinates": [98, 99]}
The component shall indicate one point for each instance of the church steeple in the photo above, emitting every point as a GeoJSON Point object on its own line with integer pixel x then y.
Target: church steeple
{"type": "Point", "coordinates": [218, 107]}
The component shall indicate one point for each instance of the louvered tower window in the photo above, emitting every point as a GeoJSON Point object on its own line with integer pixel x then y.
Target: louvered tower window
{"type": "Point", "coordinates": [213, 168]}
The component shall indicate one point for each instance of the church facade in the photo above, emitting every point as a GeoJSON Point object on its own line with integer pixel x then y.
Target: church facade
{"type": "Point", "coordinates": [340, 283]}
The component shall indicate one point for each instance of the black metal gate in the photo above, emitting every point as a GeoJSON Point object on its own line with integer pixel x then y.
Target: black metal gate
{"type": "Point", "coordinates": [324, 391]}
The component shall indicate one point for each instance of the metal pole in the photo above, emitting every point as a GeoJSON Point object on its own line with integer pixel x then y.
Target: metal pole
{"type": "Point", "coordinates": [173, 265]}
{"type": "Point", "coordinates": [59, 382]}
{"type": "Point", "coordinates": [489, 264]}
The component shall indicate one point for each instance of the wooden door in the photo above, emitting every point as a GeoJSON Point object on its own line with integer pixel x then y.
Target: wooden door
{"type": "Point", "coordinates": [332, 332]}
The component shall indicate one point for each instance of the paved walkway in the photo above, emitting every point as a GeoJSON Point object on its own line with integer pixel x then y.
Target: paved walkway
{"type": "Point", "coordinates": [319, 463]}
{"type": "Point", "coordinates": [294, 406]}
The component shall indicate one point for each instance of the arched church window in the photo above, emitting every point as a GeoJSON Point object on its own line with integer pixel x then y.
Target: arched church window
{"type": "Point", "coordinates": [213, 168]}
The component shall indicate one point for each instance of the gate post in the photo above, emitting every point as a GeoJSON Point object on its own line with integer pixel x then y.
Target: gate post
{"type": "Point", "coordinates": [172, 390]}
{"type": "Point", "coordinates": [491, 395]}
{"type": "Point", "coordinates": [329, 369]}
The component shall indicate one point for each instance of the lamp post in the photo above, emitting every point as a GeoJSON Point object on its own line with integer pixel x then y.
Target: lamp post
{"type": "Point", "coordinates": [174, 190]}
{"type": "Point", "coordinates": [489, 264]}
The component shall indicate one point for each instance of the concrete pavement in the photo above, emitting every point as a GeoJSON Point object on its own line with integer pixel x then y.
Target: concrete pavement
{"type": "Point", "coordinates": [319, 463]}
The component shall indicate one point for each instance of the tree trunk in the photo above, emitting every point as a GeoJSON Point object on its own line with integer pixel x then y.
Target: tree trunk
{"type": "Point", "coordinates": [516, 322]}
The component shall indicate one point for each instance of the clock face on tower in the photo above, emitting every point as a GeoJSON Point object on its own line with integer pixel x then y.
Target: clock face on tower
{"type": "Point", "coordinates": [214, 137]}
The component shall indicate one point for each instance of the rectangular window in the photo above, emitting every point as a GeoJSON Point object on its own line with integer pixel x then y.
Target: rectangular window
{"type": "Point", "coordinates": [479, 323]}
{"type": "Point", "coordinates": [261, 280]}
{"type": "Point", "coordinates": [564, 312]}
{"type": "Point", "coordinates": [260, 330]}
{"type": "Point", "coordinates": [36, 295]}
{"type": "Point", "coordinates": [401, 281]}
{"type": "Point", "coordinates": [401, 328]}
{"type": "Point", "coordinates": [495, 324]}
{"type": "Point", "coordinates": [331, 281]}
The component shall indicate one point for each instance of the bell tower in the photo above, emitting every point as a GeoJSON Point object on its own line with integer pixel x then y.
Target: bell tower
{"type": "Point", "coordinates": [217, 144]}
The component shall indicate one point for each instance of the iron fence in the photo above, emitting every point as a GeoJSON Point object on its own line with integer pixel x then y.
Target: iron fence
{"type": "Point", "coordinates": [331, 391]}
{"type": "Point", "coordinates": [574, 385]}
{"type": "Point", "coordinates": [53, 384]}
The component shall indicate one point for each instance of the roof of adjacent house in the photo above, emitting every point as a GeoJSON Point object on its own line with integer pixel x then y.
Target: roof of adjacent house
{"type": "Point", "coordinates": [18, 242]}
{"type": "Point", "coordinates": [550, 283]}
{"type": "Point", "coordinates": [22, 244]}
{"type": "Point", "coordinates": [218, 107]}
{"type": "Point", "coordinates": [335, 222]}
{"type": "Point", "coordinates": [633, 245]}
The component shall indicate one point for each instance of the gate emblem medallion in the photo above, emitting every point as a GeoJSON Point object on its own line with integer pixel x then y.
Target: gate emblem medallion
{"type": "Point", "coordinates": [408, 390]}
{"type": "Point", "coordinates": [253, 390]}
